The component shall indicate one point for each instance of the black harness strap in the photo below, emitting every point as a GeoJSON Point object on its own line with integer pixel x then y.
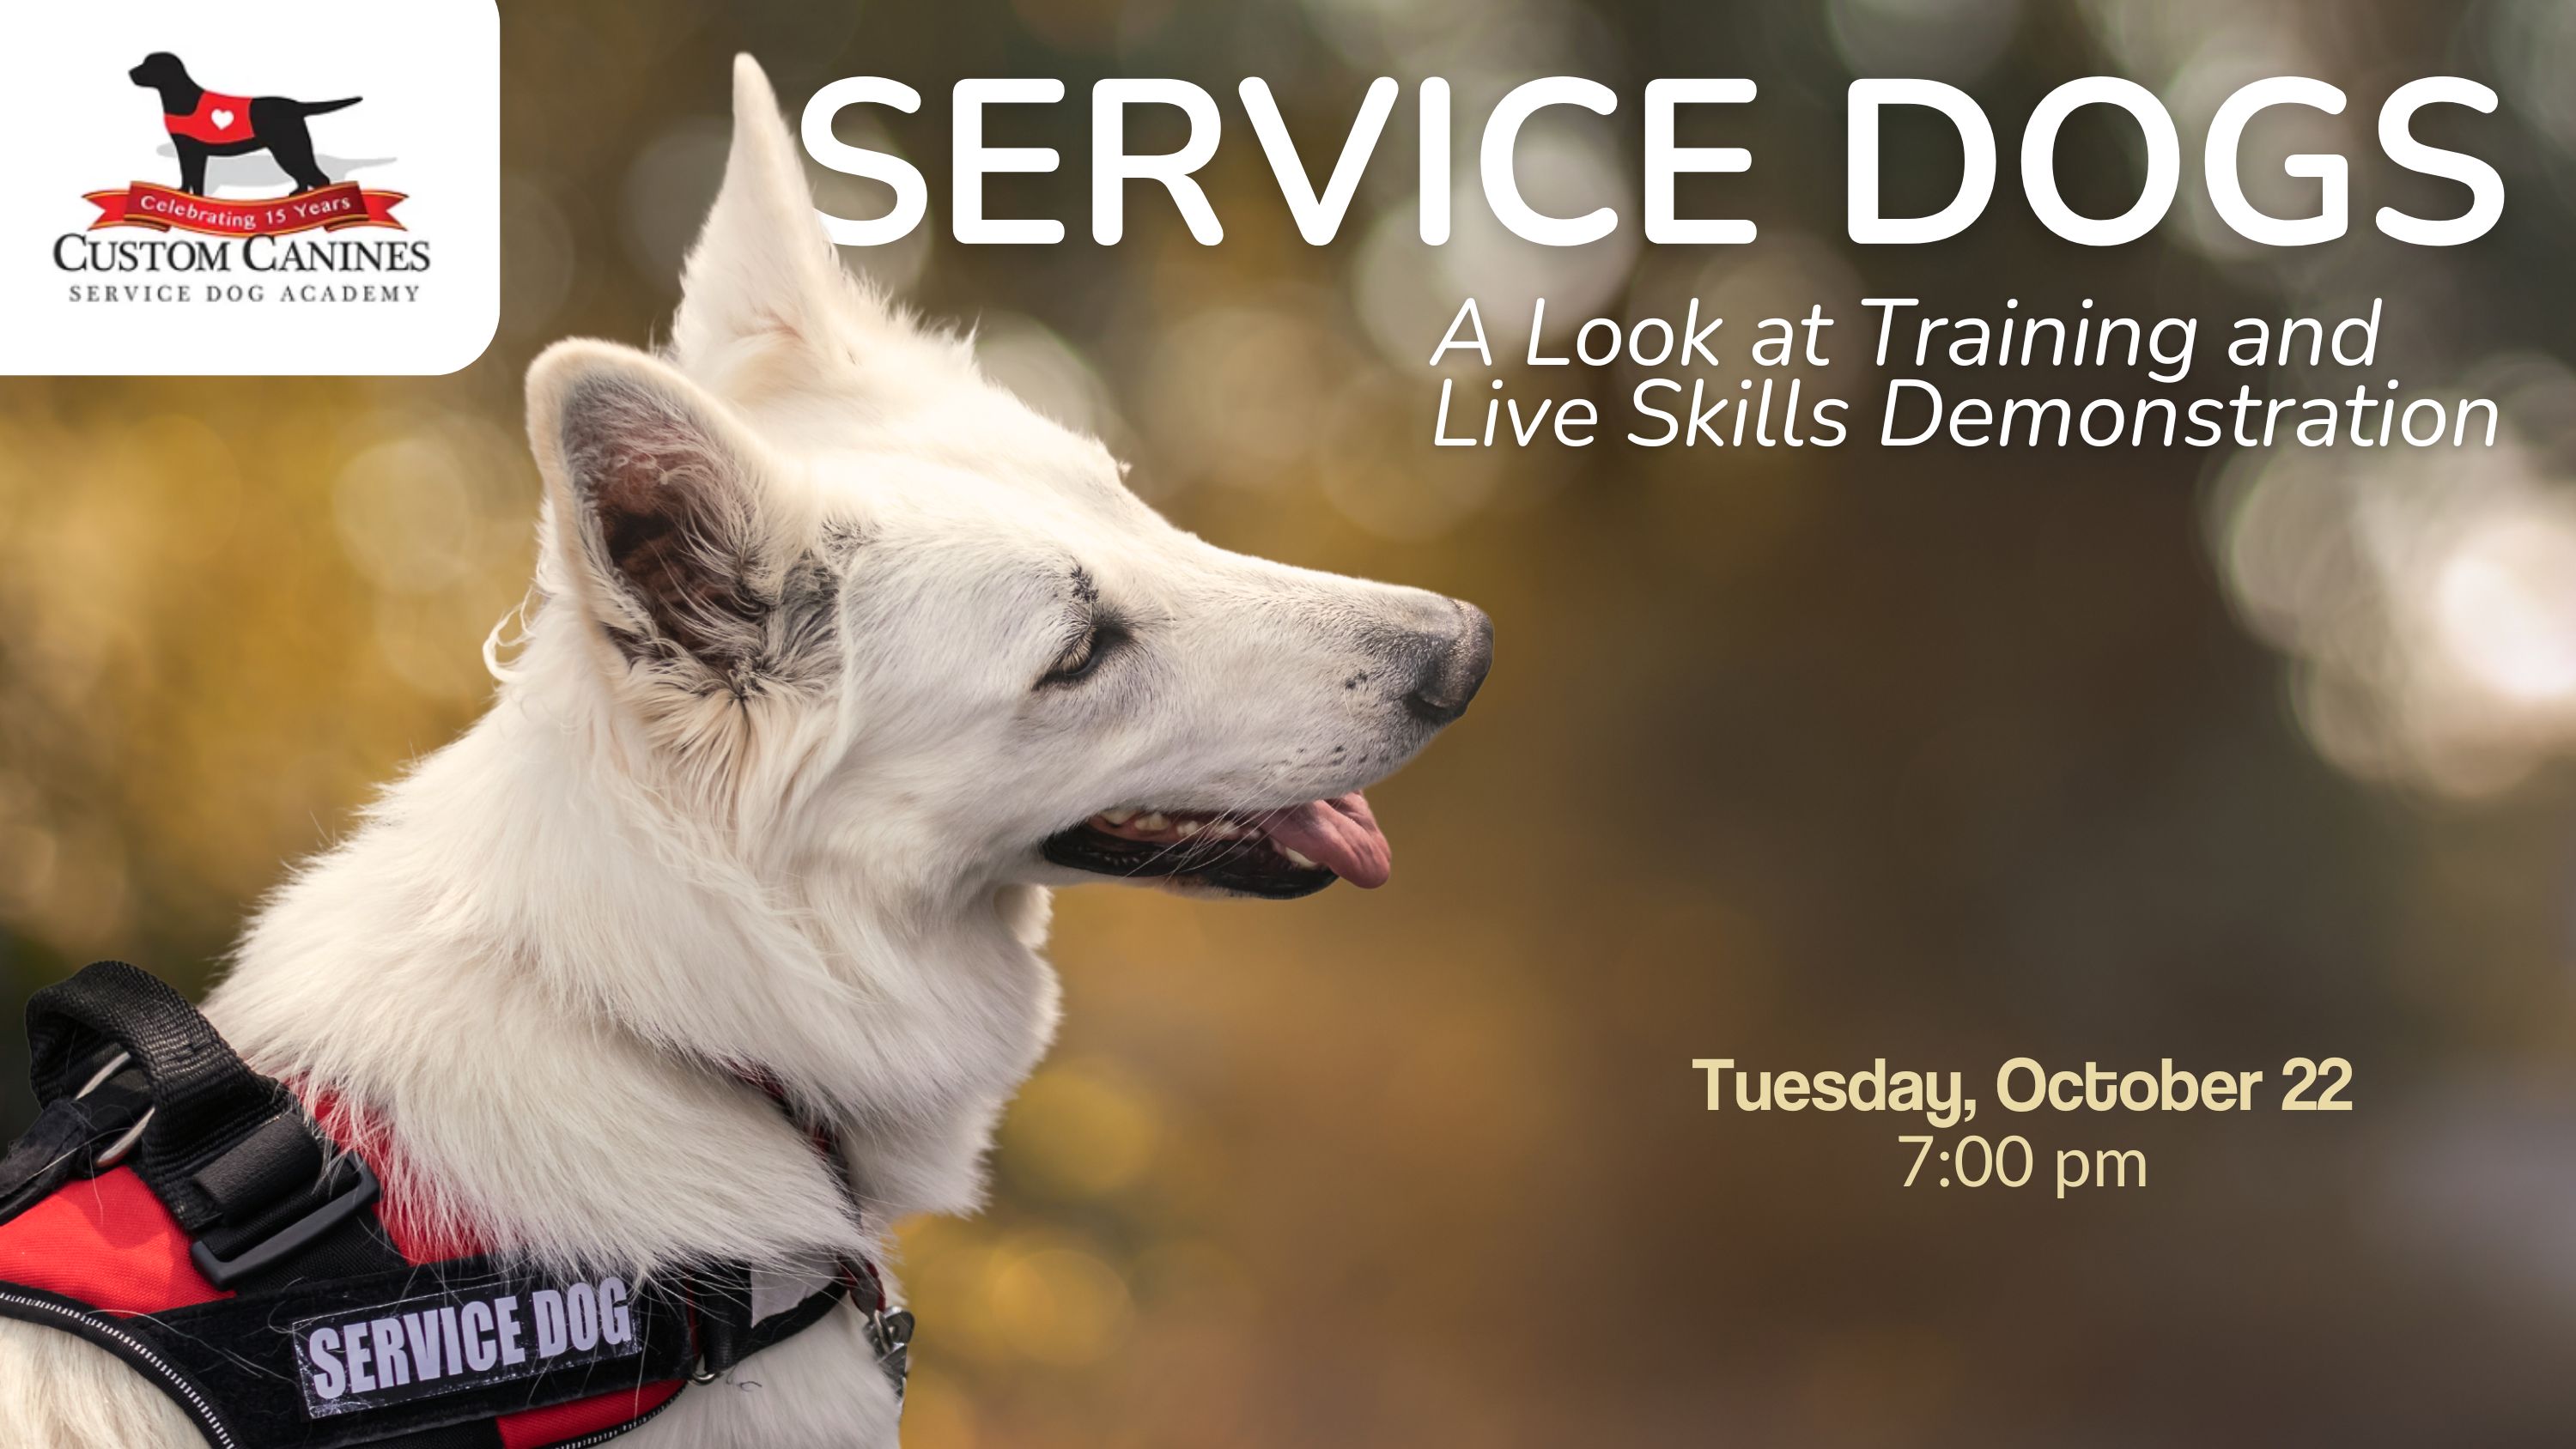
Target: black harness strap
{"type": "Point", "coordinates": [68, 1137]}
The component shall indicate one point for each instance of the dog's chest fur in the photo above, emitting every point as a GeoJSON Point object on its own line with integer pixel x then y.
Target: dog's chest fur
{"type": "Point", "coordinates": [505, 924]}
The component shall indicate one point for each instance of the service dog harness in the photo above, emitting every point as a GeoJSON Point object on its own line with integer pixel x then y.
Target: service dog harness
{"type": "Point", "coordinates": [185, 1213]}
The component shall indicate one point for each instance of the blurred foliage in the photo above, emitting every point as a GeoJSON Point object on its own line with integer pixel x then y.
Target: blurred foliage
{"type": "Point", "coordinates": [1801, 758]}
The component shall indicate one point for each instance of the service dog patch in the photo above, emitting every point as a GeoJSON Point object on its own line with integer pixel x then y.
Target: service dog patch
{"type": "Point", "coordinates": [469, 1337]}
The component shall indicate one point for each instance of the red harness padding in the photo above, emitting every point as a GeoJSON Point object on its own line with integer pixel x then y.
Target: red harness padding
{"type": "Point", "coordinates": [107, 1242]}
{"type": "Point", "coordinates": [217, 120]}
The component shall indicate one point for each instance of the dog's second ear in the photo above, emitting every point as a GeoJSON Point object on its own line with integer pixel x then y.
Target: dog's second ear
{"type": "Point", "coordinates": [666, 510]}
{"type": "Point", "coordinates": [762, 271]}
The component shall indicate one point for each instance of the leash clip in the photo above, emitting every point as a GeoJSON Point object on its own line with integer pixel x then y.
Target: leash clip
{"type": "Point", "coordinates": [892, 1335]}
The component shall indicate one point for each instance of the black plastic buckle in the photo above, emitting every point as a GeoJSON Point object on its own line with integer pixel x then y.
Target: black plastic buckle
{"type": "Point", "coordinates": [293, 1238]}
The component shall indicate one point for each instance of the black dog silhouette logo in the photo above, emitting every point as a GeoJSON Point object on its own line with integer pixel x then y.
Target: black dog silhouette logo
{"type": "Point", "coordinates": [204, 124]}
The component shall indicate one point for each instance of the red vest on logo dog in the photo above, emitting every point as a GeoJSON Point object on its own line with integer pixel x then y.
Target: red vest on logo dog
{"type": "Point", "coordinates": [216, 120]}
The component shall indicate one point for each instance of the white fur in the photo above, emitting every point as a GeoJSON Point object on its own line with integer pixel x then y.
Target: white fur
{"type": "Point", "coordinates": [538, 964]}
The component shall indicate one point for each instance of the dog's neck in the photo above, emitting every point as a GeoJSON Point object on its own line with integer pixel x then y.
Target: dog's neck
{"type": "Point", "coordinates": [180, 97]}
{"type": "Point", "coordinates": [546, 999]}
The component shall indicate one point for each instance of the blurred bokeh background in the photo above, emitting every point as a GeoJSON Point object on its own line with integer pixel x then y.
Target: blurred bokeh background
{"type": "Point", "coordinates": [1801, 758]}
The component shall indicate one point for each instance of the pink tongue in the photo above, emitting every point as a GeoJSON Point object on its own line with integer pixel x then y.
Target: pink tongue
{"type": "Point", "coordinates": [1340, 835]}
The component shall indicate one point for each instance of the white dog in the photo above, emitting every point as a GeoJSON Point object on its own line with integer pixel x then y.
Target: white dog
{"type": "Point", "coordinates": [838, 658]}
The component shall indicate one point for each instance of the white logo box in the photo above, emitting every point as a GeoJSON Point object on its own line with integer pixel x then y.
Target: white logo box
{"type": "Point", "coordinates": [420, 298]}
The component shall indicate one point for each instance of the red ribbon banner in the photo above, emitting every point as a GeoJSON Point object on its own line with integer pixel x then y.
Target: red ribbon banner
{"type": "Point", "coordinates": [332, 208]}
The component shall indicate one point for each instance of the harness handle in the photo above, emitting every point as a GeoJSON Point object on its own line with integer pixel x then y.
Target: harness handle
{"type": "Point", "coordinates": [205, 1100]}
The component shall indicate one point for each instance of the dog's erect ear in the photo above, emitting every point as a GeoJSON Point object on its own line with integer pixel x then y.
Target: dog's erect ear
{"type": "Point", "coordinates": [762, 269]}
{"type": "Point", "coordinates": [678, 529]}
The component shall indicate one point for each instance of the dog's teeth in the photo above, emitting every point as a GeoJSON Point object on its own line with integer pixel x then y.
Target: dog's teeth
{"type": "Point", "coordinates": [1117, 817]}
{"type": "Point", "coordinates": [1189, 828]}
{"type": "Point", "coordinates": [1153, 822]}
{"type": "Point", "coordinates": [1295, 859]}
{"type": "Point", "coordinates": [1227, 830]}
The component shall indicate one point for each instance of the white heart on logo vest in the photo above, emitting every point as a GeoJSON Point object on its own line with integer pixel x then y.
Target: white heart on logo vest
{"type": "Point", "coordinates": [223, 120]}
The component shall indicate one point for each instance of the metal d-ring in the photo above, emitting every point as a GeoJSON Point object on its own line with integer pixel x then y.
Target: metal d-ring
{"type": "Point", "coordinates": [116, 1150]}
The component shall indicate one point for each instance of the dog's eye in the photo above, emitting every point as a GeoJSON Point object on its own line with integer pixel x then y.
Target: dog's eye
{"type": "Point", "coordinates": [1084, 654]}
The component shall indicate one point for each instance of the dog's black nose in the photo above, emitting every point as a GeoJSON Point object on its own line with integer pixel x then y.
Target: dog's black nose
{"type": "Point", "coordinates": [1455, 670]}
